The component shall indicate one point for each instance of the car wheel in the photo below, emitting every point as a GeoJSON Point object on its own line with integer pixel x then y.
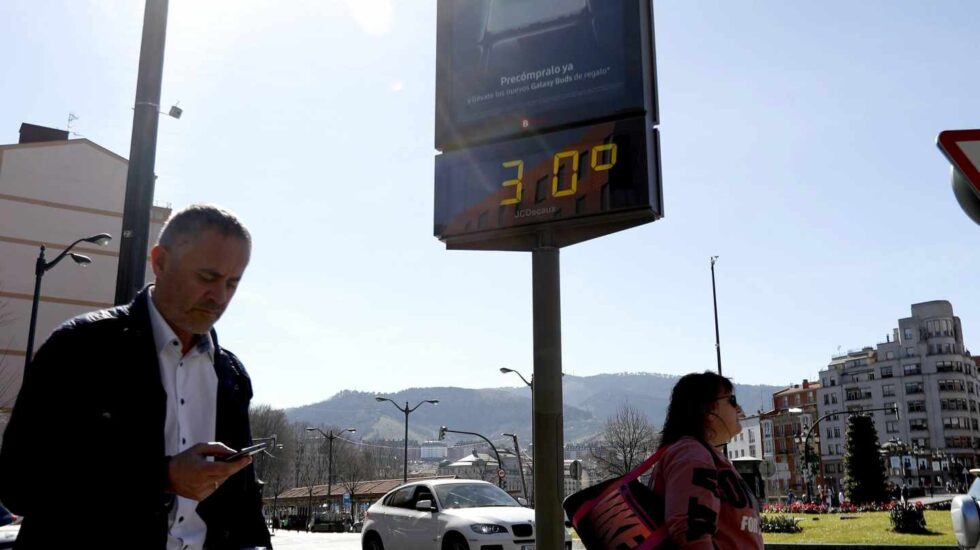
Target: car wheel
{"type": "Point", "coordinates": [455, 541]}
{"type": "Point", "coordinates": [372, 542]}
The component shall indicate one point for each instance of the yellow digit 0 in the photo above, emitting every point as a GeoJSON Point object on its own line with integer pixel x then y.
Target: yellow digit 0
{"type": "Point", "coordinates": [611, 147]}
{"type": "Point", "coordinates": [517, 182]}
{"type": "Point", "coordinates": [554, 180]}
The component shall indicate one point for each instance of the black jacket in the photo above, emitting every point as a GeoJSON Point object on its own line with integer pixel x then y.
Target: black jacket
{"type": "Point", "coordinates": [83, 456]}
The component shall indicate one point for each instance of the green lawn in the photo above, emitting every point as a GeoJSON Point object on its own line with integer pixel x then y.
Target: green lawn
{"type": "Point", "coordinates": [865, 528]}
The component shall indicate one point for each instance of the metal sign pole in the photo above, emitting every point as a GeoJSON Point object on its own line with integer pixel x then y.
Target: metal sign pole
{"type": "Point", "coordinates": [131, 271]}
{"type": "Point", "coordinates": [547, 399]}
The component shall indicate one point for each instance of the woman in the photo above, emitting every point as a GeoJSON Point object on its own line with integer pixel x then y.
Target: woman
{"type": "Point", "coordinates": [706, 504]}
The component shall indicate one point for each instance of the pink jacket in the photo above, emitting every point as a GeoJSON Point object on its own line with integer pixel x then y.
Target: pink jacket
{"type": "Point", "coordinates": [707, 505]}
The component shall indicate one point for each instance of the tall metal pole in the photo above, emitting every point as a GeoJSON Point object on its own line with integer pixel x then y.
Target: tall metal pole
{"type": "Point", "coordinates": [405, 466]}
{"type": "Point", "coordinates": [330, 470]}
{"type": "Point", "coordinates": [38, 273]}
{"type": "Point", "coordinates": [131, 271]}
{"type": "Point", "coordinates": [520, 465]}
{"type": "Point", "coordinates": [547, 397]}
{"type": "Point", "coordinates": [714, 297]}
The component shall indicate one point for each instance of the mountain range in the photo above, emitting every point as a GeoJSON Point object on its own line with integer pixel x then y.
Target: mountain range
{"type": "Point", "coordinates": [588, 402]}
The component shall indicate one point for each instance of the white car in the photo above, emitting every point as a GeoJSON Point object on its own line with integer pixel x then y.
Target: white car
{"type": "Point", "coordinates": [449, 514]}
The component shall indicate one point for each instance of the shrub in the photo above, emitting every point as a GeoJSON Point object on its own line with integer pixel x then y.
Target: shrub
{"type": "Point", "coordinates": [908, 518]}
{"type": "Point", "coordinates": [780, 524]}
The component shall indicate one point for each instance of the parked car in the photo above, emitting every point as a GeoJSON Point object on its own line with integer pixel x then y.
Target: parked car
{"type": "Point", "coordinates": [6, 518]}
{"type": "Point", "coordinates": [449, 514]}
{"type": "Point", "coordinates": [965, 513]}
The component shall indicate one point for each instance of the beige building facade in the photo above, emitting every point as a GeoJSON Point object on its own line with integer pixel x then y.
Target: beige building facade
{"type": "Point", "coordinates": [52, 193]}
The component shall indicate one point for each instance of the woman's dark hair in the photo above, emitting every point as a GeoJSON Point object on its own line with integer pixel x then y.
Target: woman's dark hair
{"type": "Point", "coordinates": [690, 400]}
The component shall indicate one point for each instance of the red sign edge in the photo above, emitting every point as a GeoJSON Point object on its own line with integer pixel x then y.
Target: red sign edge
{"type": "Point", "coordinates": [948, 143]}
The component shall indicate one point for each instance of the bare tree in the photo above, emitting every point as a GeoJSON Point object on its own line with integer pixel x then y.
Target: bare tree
{"type": "Point", "coordinates": [626, 440]}
{"type": "Point", "coordinates": [274, 466]}
{"type": "Point", "coordinates": [353, 468]}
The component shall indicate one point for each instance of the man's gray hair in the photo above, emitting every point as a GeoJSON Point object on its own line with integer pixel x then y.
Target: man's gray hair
{"type": "Point", "coordinates": [185, 225]}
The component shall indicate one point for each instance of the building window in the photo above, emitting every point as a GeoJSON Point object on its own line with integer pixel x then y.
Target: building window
{"type": "Point", "coordinates": [891, 426]}
{"type": "Point", "coordinates": [910, 351]}
{"type": "Point", "coordinates": [952, 385]}
{"type": "Point", "coordinates": [891, 405]}
{"type": "Point", "coordinates": [911, 368]}
{"type": "Point", "coordinates": [908, 334]}
{"type": "Point", "coordinates": [886, 372]}
{"type": "Point", "coordinates": [917, 406]}
{"type": "Point", "coordinates": [888, 390]}
{"type": "Point", "coordinates": [918, 424]}
{"type": "Point", "coordinates": [833, 399]}
{"type": "Point", "coordinates": [953, 404]}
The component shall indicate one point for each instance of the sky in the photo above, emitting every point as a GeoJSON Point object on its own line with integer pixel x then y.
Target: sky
{"type": "Point", "coordinates": [797, 141]}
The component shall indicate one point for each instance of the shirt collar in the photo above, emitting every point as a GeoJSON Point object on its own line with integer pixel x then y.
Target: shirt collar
{"type": "Point", "coordinates": [163, 335]}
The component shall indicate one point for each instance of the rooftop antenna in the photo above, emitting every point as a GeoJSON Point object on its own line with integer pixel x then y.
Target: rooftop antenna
{"type": "Point", "coordinates": [71, 118]}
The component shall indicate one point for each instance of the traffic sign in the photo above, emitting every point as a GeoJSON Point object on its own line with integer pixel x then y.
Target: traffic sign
{"type": "Point", "coordinates": [962, 148]}
{"type": "Point", "coordinates": [501, 473]}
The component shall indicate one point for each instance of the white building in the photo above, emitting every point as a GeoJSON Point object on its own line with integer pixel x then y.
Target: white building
{"type": "Point", "coordinates": [748, 442]}
{"type": "Point", "coordinates": [925, 370]}
{"type": "Point", "coordinates": [54, 191]}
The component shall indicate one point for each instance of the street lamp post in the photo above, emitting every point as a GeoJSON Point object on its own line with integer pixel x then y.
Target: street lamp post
{"type": "Point", "coordinates": [714, 298]}
{"type": "Point", "coordinates": [330, 437]}
{"type": "Point", "coordinates": [407, 411]}
{"type": "Point", "coordinates": [520, 466]}
{"type": "Point", "coordinates": [530, 384]}
{"type": "Point", "coordinates": [41, 266]}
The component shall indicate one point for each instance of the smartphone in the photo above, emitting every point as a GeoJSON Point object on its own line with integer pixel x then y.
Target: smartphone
{"type": "Point", "coordinates": [247, 451]}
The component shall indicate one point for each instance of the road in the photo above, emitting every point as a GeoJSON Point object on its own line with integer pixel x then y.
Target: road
{"type": "Point", "coordinates": [297, 540]}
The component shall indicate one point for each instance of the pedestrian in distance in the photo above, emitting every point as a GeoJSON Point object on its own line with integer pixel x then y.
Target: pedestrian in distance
{"type": "Point", "coordinates": [125, 413]}
{"type": "Point", "coordinates": [705, 502]}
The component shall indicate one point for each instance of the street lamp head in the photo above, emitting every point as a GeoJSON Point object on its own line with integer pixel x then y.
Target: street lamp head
{"type": "Point", "coordinates": [505, 370]}
{"type": "Point", "coordinates": [380, 398]}
{"type": "Point", "coordinates": [80, 259]}
{"type": "Point", "coordinates": [101, 239]}
{"type": "Point", "coordinates": [351, 430]}
{"type": "Point", "coordinates": [509, 435]}
{"type": "Point", "coordinates": [433, 401]}
{"type": "Point", "coordinates": [309, 429]}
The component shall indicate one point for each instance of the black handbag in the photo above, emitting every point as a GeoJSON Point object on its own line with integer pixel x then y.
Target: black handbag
{"type": "Point", "coordinates": [618, 514]}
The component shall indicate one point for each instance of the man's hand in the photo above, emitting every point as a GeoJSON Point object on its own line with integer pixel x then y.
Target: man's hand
{"type": "Point", "coordinates": [192, 476]}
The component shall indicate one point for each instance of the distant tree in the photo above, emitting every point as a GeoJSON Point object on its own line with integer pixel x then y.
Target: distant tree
{"type": "Point", "coordinates": [864, 478]}
{"type": "Point", "coordinates": [274, 466]}
{"type": "Point", "coordinates": [352, 469]}
{"type": "Point", "coordinates": [627, 438]}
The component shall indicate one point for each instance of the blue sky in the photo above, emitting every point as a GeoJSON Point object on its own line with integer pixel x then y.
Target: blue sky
{"type": "Point", "coordinates": [798, 143]}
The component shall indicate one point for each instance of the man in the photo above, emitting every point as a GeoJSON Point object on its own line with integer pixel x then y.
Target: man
{"type": "Point", "coordinates": [108, 444]}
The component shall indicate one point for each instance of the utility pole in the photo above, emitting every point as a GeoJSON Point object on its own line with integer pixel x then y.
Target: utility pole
{"type": "Point", "coordinates": [714, 297]}
{"type": "Point", "coordinates": [131, 272]}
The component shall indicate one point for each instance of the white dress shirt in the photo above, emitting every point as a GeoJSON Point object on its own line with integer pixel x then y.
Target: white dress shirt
{"type": "Point", "coordinates": [192, 389]}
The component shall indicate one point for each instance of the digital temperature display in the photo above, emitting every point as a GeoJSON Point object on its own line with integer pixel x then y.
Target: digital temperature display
{"type": "Point", "coordinates": [582, 183]}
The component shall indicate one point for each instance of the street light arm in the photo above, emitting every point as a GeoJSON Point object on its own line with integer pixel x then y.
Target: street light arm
{"type": "Point", "coordinates": [100, 239]}
{"type": "Point", "coordinates": [499, 463]}
{"type": "Point", "coordinates": [433, 401]}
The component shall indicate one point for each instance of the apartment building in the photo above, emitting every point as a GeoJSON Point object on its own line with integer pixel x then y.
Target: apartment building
{"type": "Point", "coordinates": [54, 191]}
{"type": "Point", "coordinates": [784, 435]}
{"type": "Point", "coordinates": [923, 370]}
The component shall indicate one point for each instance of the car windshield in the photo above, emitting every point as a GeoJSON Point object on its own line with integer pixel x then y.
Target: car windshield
{"type": "Point", "coordinates": [473, 495]}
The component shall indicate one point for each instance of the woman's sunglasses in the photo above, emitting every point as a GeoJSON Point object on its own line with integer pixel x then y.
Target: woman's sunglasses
{"type": "Point", "coordinates": [732, 400]}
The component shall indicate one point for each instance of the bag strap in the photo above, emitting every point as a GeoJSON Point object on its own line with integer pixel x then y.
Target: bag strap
{"type": "Point", "coordinates": [628, 477]}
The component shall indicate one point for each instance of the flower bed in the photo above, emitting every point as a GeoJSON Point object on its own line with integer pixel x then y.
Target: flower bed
{"type": "Point", "coordinates": [846, 508]}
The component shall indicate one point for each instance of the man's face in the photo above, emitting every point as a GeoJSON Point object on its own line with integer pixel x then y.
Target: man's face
{"type": "Point", "coordinates": [196, 280]}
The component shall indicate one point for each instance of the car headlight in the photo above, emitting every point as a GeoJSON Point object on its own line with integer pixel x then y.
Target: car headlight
{"type": "Point", "coordinates": [488, 528]}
